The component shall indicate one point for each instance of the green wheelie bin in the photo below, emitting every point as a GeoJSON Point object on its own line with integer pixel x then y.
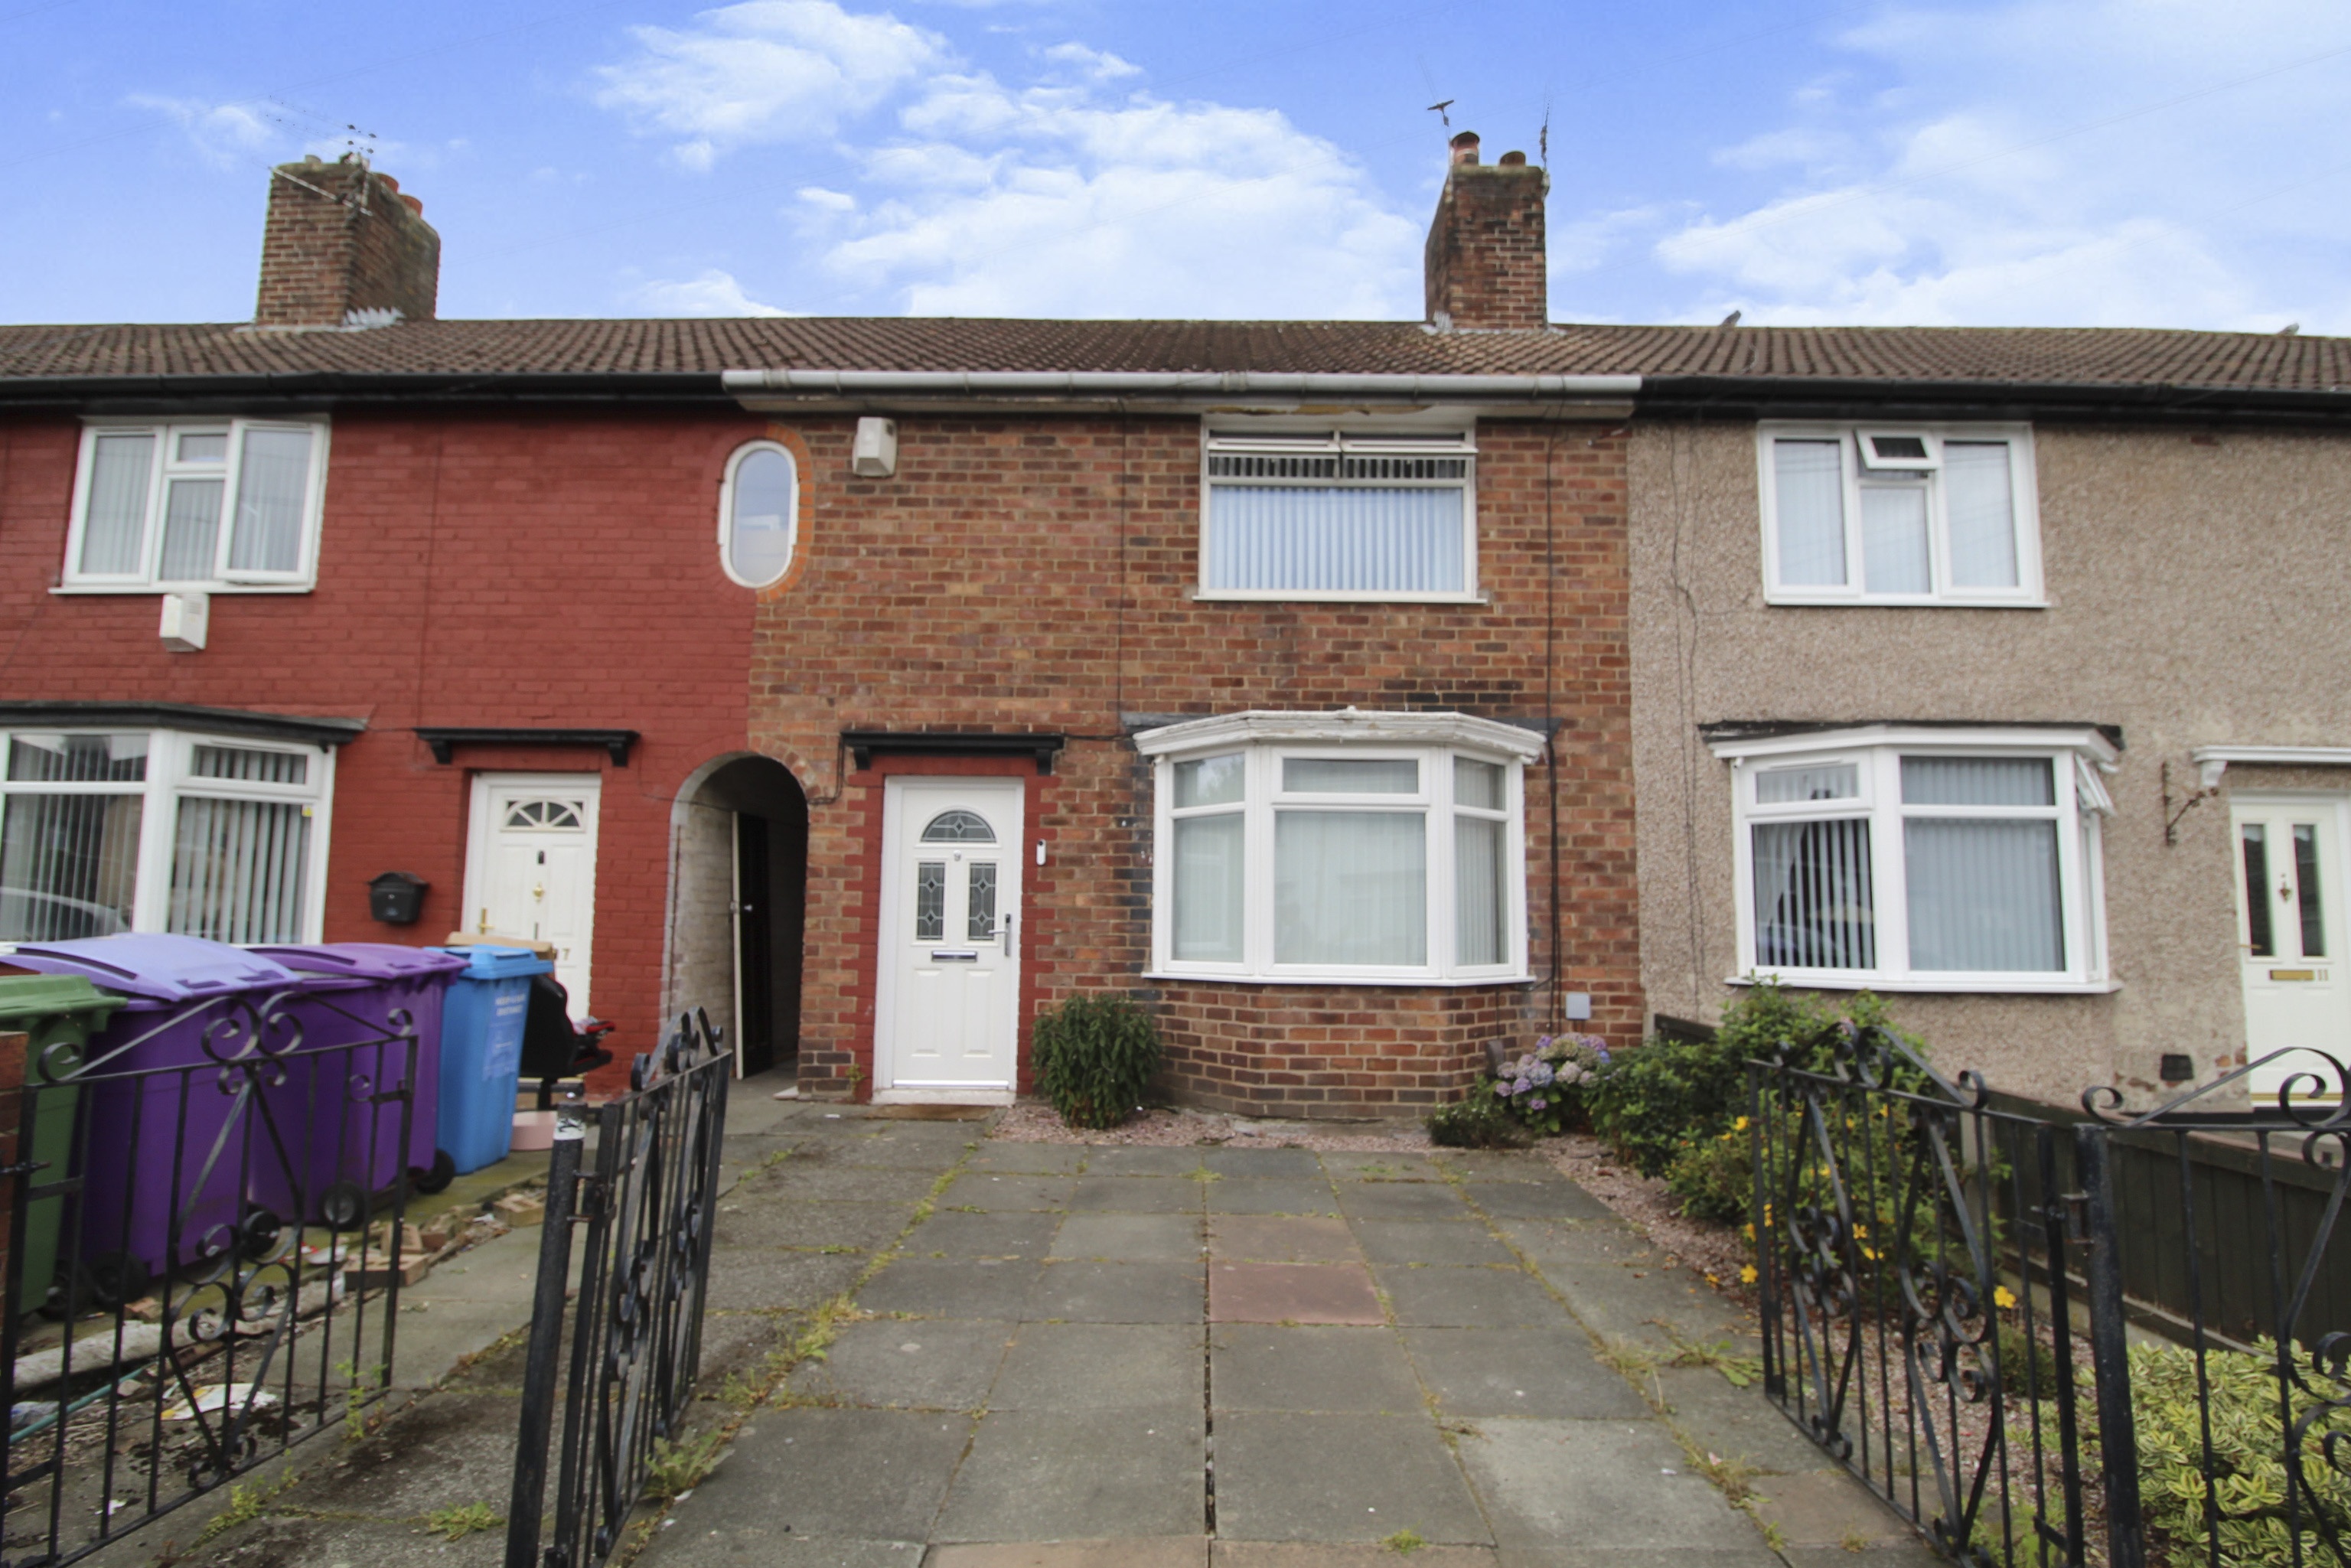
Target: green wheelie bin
{"type": "Point", "coordinates": [59, 1013]}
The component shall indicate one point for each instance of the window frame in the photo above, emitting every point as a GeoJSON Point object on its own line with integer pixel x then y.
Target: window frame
{"type": "Point", "coordinates": [2078, 759]}
{"type": "Point", "coordinates": [1265, 740]}
{"type": "Point", "coordinates": [162, 467]}
{"type": "Point", "coordinates": [735, 461]}
{"type": "Point", "coordinates": [171, 778]}
{"type": "Point", "coordinates": [2023, 500]}
{"type": "Point", "coordinates": [1342, 438]}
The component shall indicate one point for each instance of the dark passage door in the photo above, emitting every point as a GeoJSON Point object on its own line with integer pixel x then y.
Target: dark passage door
{"type": "Point", "coordinates": [755, 1010]}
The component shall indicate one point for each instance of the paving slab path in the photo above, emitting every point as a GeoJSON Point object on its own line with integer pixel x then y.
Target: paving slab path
{"type": "Point", "coordinates": [1063, 1357]}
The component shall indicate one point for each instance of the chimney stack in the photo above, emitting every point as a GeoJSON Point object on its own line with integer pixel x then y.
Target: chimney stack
{"type": "Point", "coordinates": [342, 247]}
{"type": "Point", "coordinates": [1484, 264]}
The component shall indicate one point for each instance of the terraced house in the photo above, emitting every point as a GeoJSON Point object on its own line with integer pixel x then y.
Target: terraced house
{"type": "Point", "coordinates": [1362, 693]}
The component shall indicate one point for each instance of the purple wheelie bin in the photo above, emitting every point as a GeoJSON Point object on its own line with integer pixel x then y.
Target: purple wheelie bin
{"type": "Point", "coordinates": [357, 986]}
{"type": "Point", "coordinates": [137, 1197]}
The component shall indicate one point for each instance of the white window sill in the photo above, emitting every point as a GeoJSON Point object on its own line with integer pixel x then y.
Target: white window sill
{"type": "Point", "coordinates": [1906, 601]}
{"type": "Point", "coordinates": [1287, 596]}
{"type": "Point", "coordinates": [155, 591]}
{"type": "Point", "coordinates": [2000, 987]}
{"type": "Point", "coordinates": [1226, 978]}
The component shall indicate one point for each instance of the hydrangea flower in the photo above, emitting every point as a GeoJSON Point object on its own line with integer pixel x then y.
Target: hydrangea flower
{"type": "Point", "coordinates": [1523, 1086]}
{"type": "Point", "coordinates": [1537, 1103]}
{"type": "Point", "coordinates": [1502, 1086]}
{"type": "Point", "coordinates": [1541, 1074]}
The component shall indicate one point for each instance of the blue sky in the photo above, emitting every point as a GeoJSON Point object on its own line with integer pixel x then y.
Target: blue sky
{"type": "Point", "coordinates": [2098, 162]}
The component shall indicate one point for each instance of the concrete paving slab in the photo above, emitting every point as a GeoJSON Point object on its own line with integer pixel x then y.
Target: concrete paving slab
{"type": "Point", "coordinates": [1129, 1238]}
{"type": "Point", "coordinates": [1317, 1370]}
{"type": "Point", "coordinates": [1247, 1194]}
{"type": "Point", "coordinates": [1913, 1554]}
{"type": "Point", "coordinates": [1597, 1485]}
{"type": "Point", "coordinates": [752, 1279]}
{"type": "Point", "coordinates": [985, 1190]}
{"type": "Point", "coordinates": [1136, 1195]}
{"type": "Point", "coordinates": [1359, 1554]}
{"type": "Point", "coordinates": [1113, 1159]}
{"type": "Point", "coordinates": [1282, 1239]}
{"type": "Point", "coordinates": [931, 1287]}
{"type": "Point", "coordinates": [874, 1475]}
{"type": "Point", "coordinates": [1350, 1166]}
{"type": "Point", "coordinates": [1290, 1476]}
{"type": "Point", "coordinates": [1824, 1508]}
{"type": "Point", "coordinates": [1036, 1475]}
{"type": "Point", "coordinates": [470, 1436]}
{"type": "Point", "coordinates": [1090, 1292]}
{"type": "Point", "coordinates": [1012, 1233]}
{"type": "Point", "coordinates": [779, 1220]}
{"type": "Point", "coordinates": [830, 1181]}
{"type": "Point", "coordinates": [504, 1269]}
{"type": "Point", "coordinates": [772, 1548]}
{"type": "Point", "coordinates": [731, 1343]}
{"type": "Point", "coordinates": [1429, 1241]}
{"type": "Point", "coordinates": [1536, 1200]}
{"type": "Point", "coordinates": [1545, 1374]}
{"type": "Point", "coordinates": [942, 1364]}
{"type": "Point", "coordinates": [1401, 1200]}
{"type": "Point", "coordinates": [1293, 1293]}
{"type": "Point", "coordinates": [907, 1145]}
{"type": "Point", "coordinates": [1500, 1165]}
{"type": "Point", "coordinates": [1265, 1164]}
{"type": "Point", "coordinates": [330, 1542]}
{"type": "Point", "coordinates": [1029, 1159]}
{"type": "Point", "coordinates": [1164, 1553]}
{"type": "Point", "coordinates": [1438, 1297]}
{"type": "Point", "coordinates": [1756, 1556]}
{"type": "Point", "coordinates": [1735, 1421]}
{"type": "Point", "coordinates": [1103, 1366]}
{"type": "Point", "coordinates": [435, 1339]}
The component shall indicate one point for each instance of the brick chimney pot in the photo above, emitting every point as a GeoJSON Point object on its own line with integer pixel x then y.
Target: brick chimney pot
{"type": "Point", "coordinates": [340, 238]}
{"type": "Point", "coordinates": [1484, 266]}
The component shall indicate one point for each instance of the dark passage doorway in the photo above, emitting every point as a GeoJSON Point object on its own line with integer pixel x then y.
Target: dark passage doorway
{"type": "Point", "coordinates": [739, 889]}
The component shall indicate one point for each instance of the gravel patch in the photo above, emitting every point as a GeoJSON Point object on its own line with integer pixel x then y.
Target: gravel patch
{"type": "Point", "coordinates": [1714, 1250]}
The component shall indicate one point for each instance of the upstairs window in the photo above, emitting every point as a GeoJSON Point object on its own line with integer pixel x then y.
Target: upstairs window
{"type": "Point", "coordinates": [222, 505]}
{"type": "Point", "coordinates": [1899, 514]}
{"type": "Point", "coordinates": [1339, 516]}
{"type": "Point", "coordinates": [759, 515]}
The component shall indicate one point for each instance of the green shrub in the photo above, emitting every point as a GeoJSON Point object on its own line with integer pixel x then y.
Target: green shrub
{"type": "Point", "coordinates": [1480, 1122]}
{"type": "Point", "coordinates": [1714, 1177]}
{"type": "Point", "coordinates": [2248, 1478]}
{"type": "Point", "coordinates": [1095, 1056]}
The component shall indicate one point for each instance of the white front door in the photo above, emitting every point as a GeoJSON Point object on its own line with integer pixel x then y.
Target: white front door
{"type": "Point", "coordinates": [530, 866]}
{"type": "Point", "coordinates": [946, 1014]}
{"type": "Point", "coordinates": [2290, 932]}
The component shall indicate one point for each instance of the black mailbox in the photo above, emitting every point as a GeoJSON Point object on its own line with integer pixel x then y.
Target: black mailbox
{"type": "Point", "coordinates": [397, 898]}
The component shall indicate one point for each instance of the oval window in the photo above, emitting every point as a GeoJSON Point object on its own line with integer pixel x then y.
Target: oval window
{"type": "Point", "coordinates": [759, 515]}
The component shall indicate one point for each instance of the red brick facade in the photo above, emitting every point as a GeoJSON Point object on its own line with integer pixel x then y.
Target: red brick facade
{"type": "Point", "coordinates": [1035, 574]}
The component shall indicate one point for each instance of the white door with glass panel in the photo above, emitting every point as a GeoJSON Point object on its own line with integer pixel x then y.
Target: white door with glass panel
{"type": "Point", "coordinates": [531, 867]}
{"type": "Point", "coordinates": [2290, 931]}
{"type": "Point", "coordinates": [948, 1013]}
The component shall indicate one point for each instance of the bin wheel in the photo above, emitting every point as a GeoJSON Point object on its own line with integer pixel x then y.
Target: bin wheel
{"type": "Point", "coordinates": [344, 1206]}
{"type": "Point", "coordinates": [438, 1179]}
{"type": "Point", "coordinates": [116, 1279]}
{"type": "Point", "coordinates": [259, 1233]}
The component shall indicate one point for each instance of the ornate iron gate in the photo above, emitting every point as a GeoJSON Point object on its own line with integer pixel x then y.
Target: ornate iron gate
{"type": "Point", "coordinates": [636, 1332]}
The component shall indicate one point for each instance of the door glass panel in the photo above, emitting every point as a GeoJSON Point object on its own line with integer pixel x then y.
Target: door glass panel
{"type": "Point", "coordinates": [979, 910]}
{"type": "Point", "coordinates": [2307, 882]}
{"type": "Point", "coordinates": [931, 900]}
{"type": "Point", "coordinates": [959, 827]}
{"type": "Point", "coordinates": [2258, 941]}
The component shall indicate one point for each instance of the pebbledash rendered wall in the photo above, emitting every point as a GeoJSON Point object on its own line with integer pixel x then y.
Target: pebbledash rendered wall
{"type": "Point", "coordinates": [475, 569]}
{"type": "Point", "coordinates": [2190, 575]}
{"type": "Point", "coordinates": [1037, 574]}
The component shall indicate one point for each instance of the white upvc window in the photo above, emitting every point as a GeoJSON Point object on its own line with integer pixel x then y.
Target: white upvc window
{"type": "Point", "coordinates": [1372, 848]}
{"type": "Point", "coordinates": [1900, 514]}
{"type": "Point", "coordinates": [1922, 859]}
{"type": "Point", "coordinates": [758, 513]}
{"type": "Point", "coordinates": [1339, 515]}
{"type": "Point", "coordinates": [216, 836]}
{"type": "Point", "coordinates": [223, 505]}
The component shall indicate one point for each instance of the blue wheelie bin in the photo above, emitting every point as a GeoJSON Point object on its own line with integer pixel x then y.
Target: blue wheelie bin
{"type": "Point", "coordinates": [481, 1051]}
{"type": "Point", "coordinates": [344, 1162]}
{"type": "Point", "coordinates": [167, 1137]}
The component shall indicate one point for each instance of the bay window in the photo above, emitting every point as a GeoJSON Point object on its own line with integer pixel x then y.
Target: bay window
{"type": "Point", "coordinates": [1922, 859]}
{"type": "Point", "coordinates": [222, 505]}
{"type": "Point", "coordinates": [216, 836]}
{"type": "Point", "coordinates": [1385, 848]}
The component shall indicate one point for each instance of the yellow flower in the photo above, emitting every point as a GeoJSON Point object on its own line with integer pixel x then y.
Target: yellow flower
{"type": "Point", "coordinates": [1747, 1275]}
{"type": "Point", "coordinates": [1750, 1231]}
{"type": "Point", "coordinates": [2004, 1298]}
{"type": "Point", "coordinates": [1739, 1125]}
{"type": "Point", "coordinates": [1861, 1230]}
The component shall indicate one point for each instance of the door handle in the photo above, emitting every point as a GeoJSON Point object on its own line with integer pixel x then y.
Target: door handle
{"type": "Point", "coordinates": [1005, 934]}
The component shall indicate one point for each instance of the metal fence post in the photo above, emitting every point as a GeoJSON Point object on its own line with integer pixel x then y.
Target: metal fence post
{"type": "Point", "coordinates": [2109, 1350]}
{"type": "Point", "coordinates": [547, 1316]}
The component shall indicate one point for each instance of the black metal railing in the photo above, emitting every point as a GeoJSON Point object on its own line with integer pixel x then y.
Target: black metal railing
{"type": "Point", "coordinates": [1943, 1284]}
{"type": "Point", "coordinates": [203, 1228]}
{"type": "Point", "coordinates": [634, 1331]}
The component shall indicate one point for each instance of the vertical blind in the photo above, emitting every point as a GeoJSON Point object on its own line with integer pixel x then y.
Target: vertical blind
{"type": "Point", "coordinates": [1980, 509]}
{"type": "Point", "coordinates": [68, 866]}
{"type": "Point", "coordinates": [115, 526]}
{"type": "Point", "coordinates": [1894, 550]}
{"type": "Point", "coordinates": [1351, 887]}
{"type": "Point", "coordinates": [272, 491]}
{"type": "Point", "coordinates": [1338, 540]}
{"type": "Point", "coordinates": [1808, 497]}
{"type": "Point", "coordinates": [1984, 893]}
{"type": "Point", "coordinates": [1208, 883]}
{"type": "Point", "coordinates": [239, 869]}
{"type": "Point", "coordinates": [1813, 901]}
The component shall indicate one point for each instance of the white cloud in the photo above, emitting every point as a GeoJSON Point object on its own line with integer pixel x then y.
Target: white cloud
{"type": "Point", "coordinates": [224, 134]}
{"type": "Point", "coordinates": [1050, 202]}
{"type": "Point", "coordinates": [712, 293]}
{"type": "Point", "coordinates": [768, 70]}
{"type": "Point", "coordinates": [2089, 161]}
{"type": "Point", "coordinates": [1098, 64]}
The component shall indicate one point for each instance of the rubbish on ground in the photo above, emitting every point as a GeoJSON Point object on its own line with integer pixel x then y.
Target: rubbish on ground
{"type": "Point", "coordinates": [791, 1093]}
{"type": "Point", "coordinates": [146, 1308]}
{"type": "Point", "coordinates": [218, 1396]}
{"type": "Point", "coordinates": [522, 1208]}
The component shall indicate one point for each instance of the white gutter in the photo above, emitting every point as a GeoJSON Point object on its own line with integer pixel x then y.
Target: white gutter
{"type": "Point", "coordinates": [2212, 761]}
{"type": "Point", "coordinates": [1187, 385]}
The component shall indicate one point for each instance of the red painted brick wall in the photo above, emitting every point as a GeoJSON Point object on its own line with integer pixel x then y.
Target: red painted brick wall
{"type": "Point", "coordinates": [482, 569]}
{"type": "Point", "coordinates": [1035, 575]}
